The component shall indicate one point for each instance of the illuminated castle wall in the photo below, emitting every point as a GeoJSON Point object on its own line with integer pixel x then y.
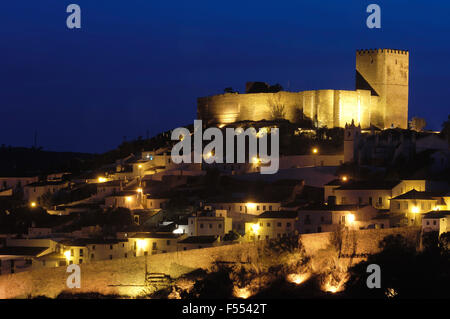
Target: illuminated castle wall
{"type": "Point", "coordinates": [380, 98]}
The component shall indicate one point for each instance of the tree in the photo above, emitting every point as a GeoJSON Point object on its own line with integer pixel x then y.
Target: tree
{"type": "Point", "coordinates": [46, 200]}
{"type": "Point", "coordinates": [445, 132]}
{"type": "Point", "coordinates": [417, 124]}
{"type": "Point", "coordinates": [276, 108]}
{"type": "Point", "coordinates": [231, 236]}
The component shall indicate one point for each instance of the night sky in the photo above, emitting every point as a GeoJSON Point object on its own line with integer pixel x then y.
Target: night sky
{"type": "Point", "coordinates": [140, 65]}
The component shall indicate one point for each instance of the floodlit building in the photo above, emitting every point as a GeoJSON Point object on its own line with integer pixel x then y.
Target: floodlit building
{"type": "Point", "coordinates": [436, 221]}
{"type": "Point", "coordinates": [209, 223]}
{"type": "Point", "coordinates": [143, 244]}
{"type": "Point", "coordinates": [327, 218]}
{"type": "Point", "coordinates": [380, 98]}
{"type": "Point", "coordinates": [272, 225]}
{"type": "Point", "coordinates": [33, 192]}
{"type": "Point", "coordinates": [414, 203]}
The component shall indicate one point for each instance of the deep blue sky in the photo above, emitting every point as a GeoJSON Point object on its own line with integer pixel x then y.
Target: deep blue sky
{"type": "Point", "coordinates": [140, 65]}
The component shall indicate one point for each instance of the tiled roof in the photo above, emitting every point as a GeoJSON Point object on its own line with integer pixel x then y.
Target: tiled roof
{"type": "Point", "coordinates": [368, 185]}
{"type": "Point", "coordinates": [198, 240]}
{"type": "Point", "coordinates": [436, 215]}
{"type": "Point", "coordinates": [91, 241]}
{"type": "Point", "coordinates": [413, 194]}
{"type": "Point", "coordinates": [279, 214]}
{"type": "Point", "coordinates": [22, 251]}
{"type": "Point", "coordinates": [154, 235]}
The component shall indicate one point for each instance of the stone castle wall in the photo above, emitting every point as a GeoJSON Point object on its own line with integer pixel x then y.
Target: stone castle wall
{"type": "Point", "coordinates": [126, 276]}
{"type": "Point", "coordinates": [380, 98]}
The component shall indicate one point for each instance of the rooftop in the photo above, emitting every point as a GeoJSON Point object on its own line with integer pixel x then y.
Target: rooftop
{"type": "Point", "coordinates": [22, 251]}
{"type": "Point", "coordinates": [154, 235]}
{"type": "Point", "coordinates": [413, 194]}
{"type": "Point", "coordinates": [199, 240]}
{"type": "Point", "coordinates": [368, 185]}
{"type": "Point", "coordinates": [436, 215]}
{"type": "Point", "coordinates": [279, 214]}
{"type": "Point", "coordinates": [91, 241]}
{"type": "Point", "coordinates": [46, 183]}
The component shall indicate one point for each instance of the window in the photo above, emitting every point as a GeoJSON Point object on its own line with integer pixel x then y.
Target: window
{"type": "Point", "coordinates": [398, 205]}
{"type": "Point", "coordinates": [92, 256]}
{"type": "Point", "coordinates": [380, 200]}
{"type": "Point", "coordinates": [126, 255]}
{"type": "Point", "coordinates": [110, 246]}
{"type": "Point", "coordinates": [240, 208]}
{"type": "Point", "coordinates": [80, 261]}
{"type": "Point", "coordinates": [81, 252]}
{"type": "Point", "coordinates": [288, 225]}
{"type": "Point", "coordinates": [428, 222]}
{"type": "Point", "coordinates": [257, 207]}
{"type": "Point", "coordinates": [154, 245]}
{"type": "Point", "coordinates": [370, 200]}
{"type": "Point", "coordinates": [406, 205]}
{"type": "Point", "coordinates": [210, 226]}
{"type": "Point", "coordinates": [343, 200]}
{"type": "Point", "coordinates": [220, 225]}
{"type": "Point", "coordinates": [168, 243]}
{"type": "Point", "coordinates": [279, 224]}
{"type": "Point", "coordinates": [268, 224]}
{"type": "Point", "coordinates": [319, 229]}
{"type": "Point", "coordinates": [264, 207]}
{"type": "Point", "coordinates": [93, 247]}
{"type": "Point", "coordinates": [434, 222]}
{"type": "Point", "coordinates": [270, 207]}
{"type": "Point", "coordinates": [134, 246]}
{"type": "Point", "coordinates": [72, 253]}
{"type": "Point", "coordinates": [110, 257]}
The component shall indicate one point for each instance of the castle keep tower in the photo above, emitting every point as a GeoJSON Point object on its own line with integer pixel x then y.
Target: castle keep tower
{"type": "Point", "coordinates": [385, 73]}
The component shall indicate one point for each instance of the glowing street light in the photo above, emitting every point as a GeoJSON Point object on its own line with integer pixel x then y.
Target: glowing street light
{"type": "Point", "coordinates": [351, 218]}
{"type": "Point", "coordinates": [315, 150]}
{"type": "Point", "coordinates": [255, 228]}
{"type": "Point", "coordinates": [67, 254]}
{"type": "Point", "coordinates": [344, 178]}
{"type": "Point", "coordinates": [251, 205]}
{"type": "Point", "coordinates": [101, 179]}
{"type": "Point", "coordinates": [415, 209]}
{"type": "Point", "coordinates": [128, 199]}
{"type": "Point", "coordinates": [33, 204]}
{"type": "Point", "coordinates": [141, 244]}
{"type": "Point", "coordinates": [139, 190]}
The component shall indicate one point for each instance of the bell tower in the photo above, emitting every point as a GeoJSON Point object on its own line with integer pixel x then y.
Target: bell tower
{"type": "Point", "coordinates": [352, 135]}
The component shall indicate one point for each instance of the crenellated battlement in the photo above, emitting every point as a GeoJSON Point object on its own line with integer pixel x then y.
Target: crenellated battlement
{"type": "Point", "coordinates": [377, 51]}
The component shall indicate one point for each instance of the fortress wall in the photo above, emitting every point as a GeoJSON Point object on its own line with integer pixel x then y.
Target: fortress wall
{"type": "Point", "coordinates": [325, 107]}
{"type": "Point", "coordinates": [329, 107]}
{"type": "Point", "coordinates": [105, 276]}
{"type": "Point", "coordinates": [231, 107]}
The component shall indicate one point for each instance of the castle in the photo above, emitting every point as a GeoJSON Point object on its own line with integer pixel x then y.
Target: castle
{"type": "Point", "coordinates": [380, 98]}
